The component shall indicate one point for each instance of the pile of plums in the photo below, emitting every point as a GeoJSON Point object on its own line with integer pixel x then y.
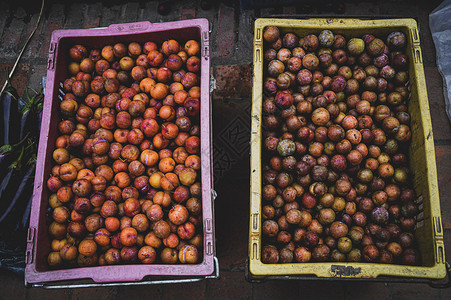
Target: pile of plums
{"type": "Point", "coordinates": [336, 180]}
{"type": "Point", "coordinates": [125, 183]}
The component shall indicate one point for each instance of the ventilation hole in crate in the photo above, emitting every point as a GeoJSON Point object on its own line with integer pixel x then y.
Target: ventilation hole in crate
{"type": "Point", "coordinates": [254, 251]}
{"type": "Point", "coordinates": [255, 221]}
{"type": "Point", "coordinates": [257, 55]}
{"type": "Point", "coordinates": [421, 207]}
{"type": "Point", "coordinates": [28, 257]}
{"type": "Point", "coordinates": [438, 225]}
{"type": "Point", "coordinates": [418, 56]}
{"type": "Point", "coordinates": [419, 200]}
{"type": "Point", "coordinates": [30, 235]}
{"type": "Point", "coordinates": [440, 255]}
{"type": "Point", "coordinates": [420, 223]}
{"type": "Point", "coordinates": [208, 226]}
{"type": "Point", "coordinates": [209, 248]}
{"type": "Point", "coordinates": [415, 35]}
{"type": "Point", "coordinates": [61, 92]}
{"type": "Point", "coordinates": [259, 32]}
{"type": "Point", "coordinates": [420, 216]}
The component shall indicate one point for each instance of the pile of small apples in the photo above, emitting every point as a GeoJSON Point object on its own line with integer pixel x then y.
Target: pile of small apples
{"type": "Point", "coordinates": [336, 182]}
{"type": "Point", "coordinates": [125, 183]}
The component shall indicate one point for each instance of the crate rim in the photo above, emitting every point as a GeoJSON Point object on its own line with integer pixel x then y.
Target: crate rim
{"type": "Point", "coordinates": [256, 267]}
{"type": "Point", "coordinates": [334, 22]}
{"type": "Point", "coordinates": [204, 268]}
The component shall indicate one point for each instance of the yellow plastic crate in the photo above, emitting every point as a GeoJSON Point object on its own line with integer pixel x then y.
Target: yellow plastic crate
{"type": "Point", "coordinates": [429, 230]}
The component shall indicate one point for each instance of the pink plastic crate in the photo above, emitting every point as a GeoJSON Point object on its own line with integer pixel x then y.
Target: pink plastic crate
{"type": "Point", "coordinates": [38, 247]}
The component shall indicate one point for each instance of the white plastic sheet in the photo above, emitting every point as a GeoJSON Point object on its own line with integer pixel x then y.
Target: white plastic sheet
{"type": "Point", "coordinates": [440, 25]}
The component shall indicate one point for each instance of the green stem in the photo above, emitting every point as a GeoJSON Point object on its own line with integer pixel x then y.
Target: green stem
{"type": "Point", "coordinates": [17, 163]}
{"type": "Point", "coordinates": [10, 148]}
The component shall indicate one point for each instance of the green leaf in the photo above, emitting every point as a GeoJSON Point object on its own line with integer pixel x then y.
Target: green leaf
{"type": "Point", "coordinates": [5, 149]}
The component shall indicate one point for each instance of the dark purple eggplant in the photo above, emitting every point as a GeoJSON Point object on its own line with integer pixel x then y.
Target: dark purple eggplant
{"type": "Point", "coordinates": [39, 123]}
{"type": "Point", "coordinates": [31, 111]}
{"type": "Point", "coordinates": [10, 116]}
{"type": "Point", "coordinates": [19, 136]}
{"type": "Point", "coordinates": [24, 188]}
{"type": "Point", "coordinates": [22, 152]}
{"type": "Point", "coordinates": [5, 161]}
{"type": "Point", "coordinates": [23, 123]}
{"type": "Point", "coordinates": [5, 182]}
{"type": "Point", "coordinates": [10, 178]}
{"type": "Point", "coordinates": [3, 158]}
{"type": "Point", "coordinates": [26, 215]}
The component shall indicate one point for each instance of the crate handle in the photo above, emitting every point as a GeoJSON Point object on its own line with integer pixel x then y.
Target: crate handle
{"type": "Point", "coordinates": [130, 27]}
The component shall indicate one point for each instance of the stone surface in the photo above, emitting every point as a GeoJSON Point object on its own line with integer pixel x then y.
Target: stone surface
{"type": "Point", "coordinates": [440, 122]}
{"type": "Point", "coordinates": [413, 291]}
{"type": "Point", "coordinates": [93, 14]}
{"type": "Point", "coordinates": [233, 82]}
{"type": "Point", "coordinates": [188, 13]}
{"type": "Point", "coordinates": [32, 50]}
{"type": "Point", "coordinates": [75, 14]}
{"type": "Point", "coordinates": [427, 43]}
{"type": "Point", "coordinates": [231, 285]}
{"type": "Point", "coordinates": [19, 79]}
{"type": "Point", "coordinates": [278, 289]}
{"type": "Point", "coordinates": [37, 71]}
{"type": "Point", "coordinates": [12, 285]}
{"type": "Point", "coordinates": [245, 44]}
{"type": "Point", "coordinates": [41, 293]}
{"type": "Point", "coordinates": [11, 37]}
{"type": "Point", "coordinates": [190, 291]}
{"type": "Point", "coordinates": [110, 15]}
{"type": "Point", "coordinates": [53, 22]}
{"type": "Point", "coordinates": [226, 20]}
{"type": "Point", "coordinates": [101, 293]}
{"type": "Point", "coordinates": [231, 127]}
{"type": "Point", "coordinates": [443, 154]}
{"type": "Point", "coordinates": [231, 43]}
{"type": "Point", "coordinates": [366, 290]}
{"type": "Point", "coordinates": [143, 292]}
{"type": "Point", "coordinates": [323, 289]}
{"type": "Point", "coordinates": [129, 13]}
